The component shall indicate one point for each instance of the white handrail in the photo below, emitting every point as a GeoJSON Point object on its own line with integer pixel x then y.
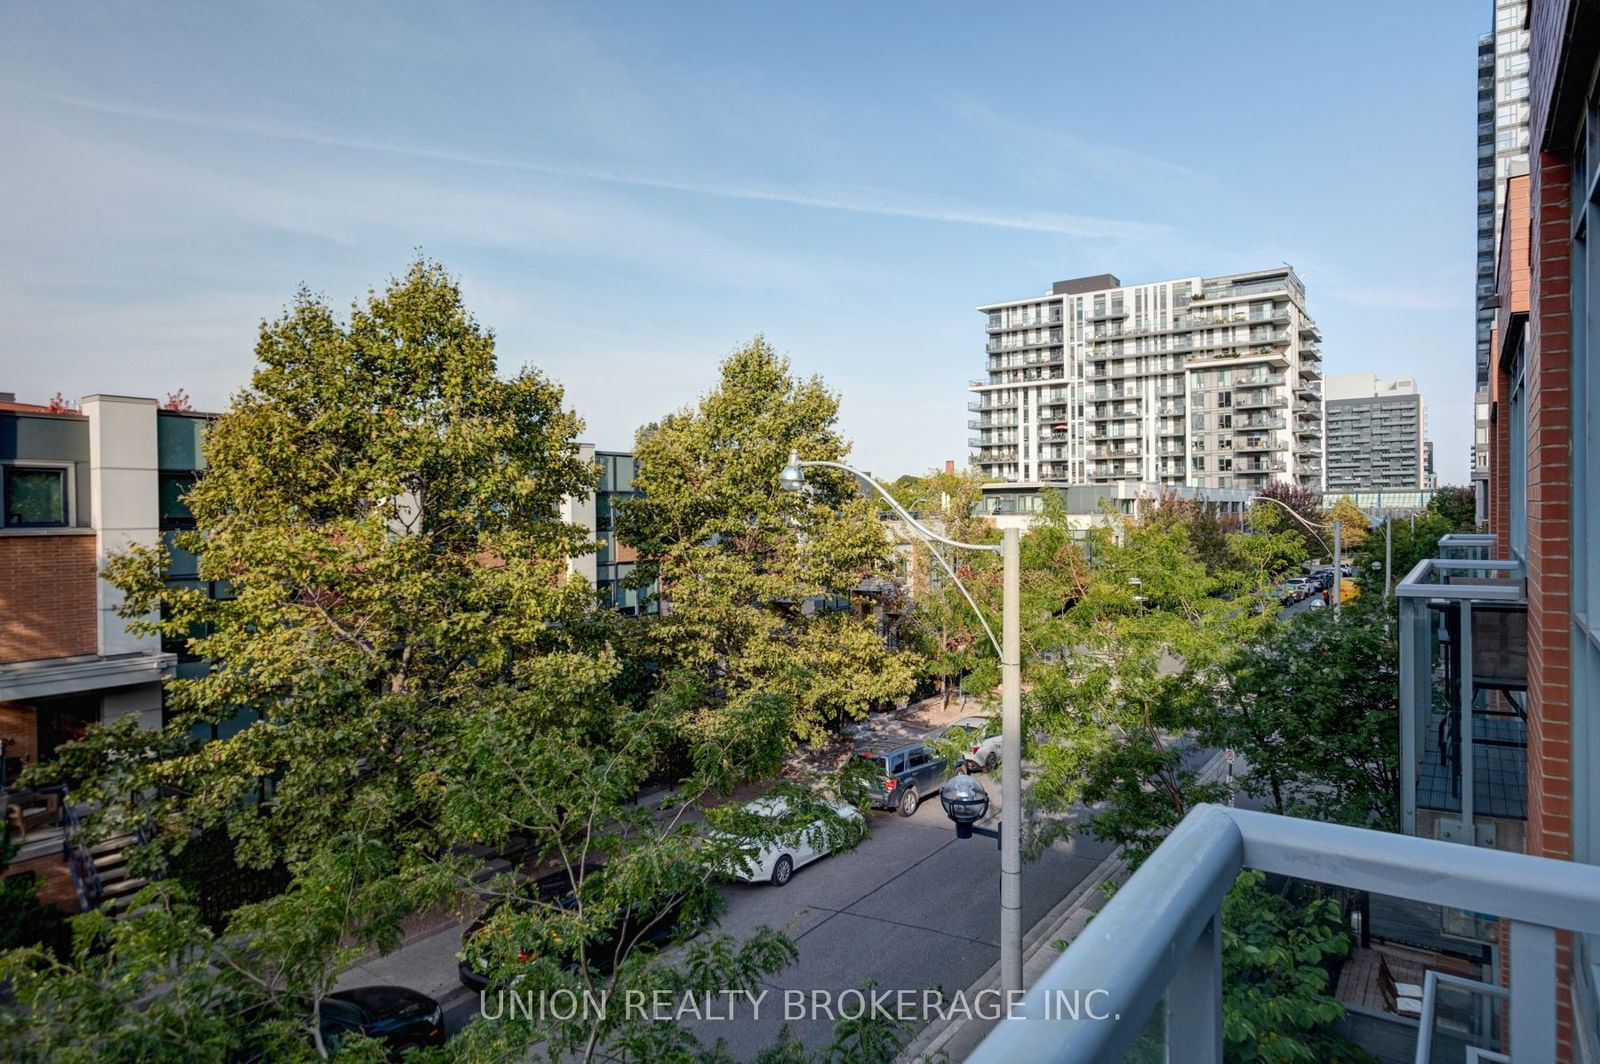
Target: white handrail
{"type": "Point", "coordinates": [1157, 933]}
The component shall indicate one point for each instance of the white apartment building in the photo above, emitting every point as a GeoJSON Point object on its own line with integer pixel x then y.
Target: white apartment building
{"type": "Point", "coordinates": [1204, 382]}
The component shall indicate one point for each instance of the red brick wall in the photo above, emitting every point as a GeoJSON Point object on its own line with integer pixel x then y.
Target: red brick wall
{"type": "Point", "coordinates": [1549, 425]}
{"type": "Point", "coordinates": [1499, 505]}
{"type": "Point", "coordinates": [20, 731]}
{"type": "Point", "coordinates": [47, 597]}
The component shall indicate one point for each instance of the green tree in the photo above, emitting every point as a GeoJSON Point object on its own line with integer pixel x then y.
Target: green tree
{"type": "Point", "coordinates": [1311, 707]}
{"type": "Point", "coordinates": [1316, 541]}
{"type": "Point", "coordinates": [1277, 1004]}
{"type": "Point", "coordinates": [1411, 540]}
{"type": "Point", "coordinates": [1142, 668]}
{"type": "Point", "coordinates": [419, 677]}
{"type": "Point", "coordinates": [750, 572]}
{"type": "Point", "coordinates": [1457, 506]}
{"type": "Point", "coordinates": [1146, 684]}
{"type": "Point", "coordinates": [1353, 523]}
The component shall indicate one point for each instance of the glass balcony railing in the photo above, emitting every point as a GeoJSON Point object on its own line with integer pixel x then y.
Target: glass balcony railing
{"type": "Point", "coordinates": [1463, 701]}
{"type": "Point", "coordinates": [1150, 962]}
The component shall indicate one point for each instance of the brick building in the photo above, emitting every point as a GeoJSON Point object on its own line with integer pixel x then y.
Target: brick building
{"type": "Point", "coordinates": [1543, 470]}
{"type": "Point", "coordinates": [78, 486]}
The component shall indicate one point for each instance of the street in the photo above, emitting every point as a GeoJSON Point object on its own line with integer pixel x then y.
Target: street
{"type": "Point", "coordinates": [912, 908]}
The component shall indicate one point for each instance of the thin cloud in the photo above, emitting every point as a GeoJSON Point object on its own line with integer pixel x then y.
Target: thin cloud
{"type": "Point", "coordinates": [859, 200]}
{"type": "Point", "coordinates": [1059, 148]}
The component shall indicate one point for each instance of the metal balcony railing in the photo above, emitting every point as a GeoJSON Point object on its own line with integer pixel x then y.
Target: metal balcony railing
{"type": "Point", "coordinates": [1463, 694]}
{"type": "Point", "coordinates": [1467, 546]}
{"type": "Point", "coordinates": [1159, 935]}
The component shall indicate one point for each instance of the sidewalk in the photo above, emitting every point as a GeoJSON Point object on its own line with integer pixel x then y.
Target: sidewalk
{"type": "Point", "coordinates": [426, 964]}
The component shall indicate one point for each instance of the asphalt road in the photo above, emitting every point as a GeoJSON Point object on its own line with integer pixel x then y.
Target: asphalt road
{"type": "Point", "coordinates": [912, 908]}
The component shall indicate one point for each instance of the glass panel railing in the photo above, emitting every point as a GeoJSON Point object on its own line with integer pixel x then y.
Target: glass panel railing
{"type": "Point", "coordinates": [1150, 1044]}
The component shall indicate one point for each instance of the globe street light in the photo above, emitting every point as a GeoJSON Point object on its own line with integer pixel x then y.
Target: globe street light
{"type": "Point", "coordinates": [965, 803]}
{"type": "Point", "coordinates": [1009, 649]}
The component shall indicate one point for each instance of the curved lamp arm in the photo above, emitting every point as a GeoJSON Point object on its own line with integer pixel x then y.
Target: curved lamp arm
{"type": "Point", "coordinates": [905, 515]}
{"type": "Point", "coordinates": [1290, 511]}
{"type": "Point", "coordinates": [793, 479]}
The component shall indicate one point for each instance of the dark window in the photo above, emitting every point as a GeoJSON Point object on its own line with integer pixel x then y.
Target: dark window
{"type": "Point", "coordinates": [174, 511]}
{"type": "Point", "coordinates": [918, 759]}
{"type": "Point", "coordinates": [35, 498]}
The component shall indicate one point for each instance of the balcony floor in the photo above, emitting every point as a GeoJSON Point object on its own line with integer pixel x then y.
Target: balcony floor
{"type": "Point", "coordinates": [1500, 772]}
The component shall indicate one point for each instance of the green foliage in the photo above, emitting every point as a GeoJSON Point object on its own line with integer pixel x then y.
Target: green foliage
{"type": "Point", "coordinates": [24, 919]}
{"type": "Point", "coordinates": [140, 988]}
{"type": "Point", "coordinates": [1277, 1002]}
{"type": "Point", "coordinates": [1412, 540]}
{"type": "Point", "coordinates": [1316, 541]}
{"type": "Point", "coordinates": [424, 677]}
{"type": "Point", "coordinates": [1456, 505]}
{"type": "Point", "coordinates": [868, 1038]}
{"type": "Point", "coordinates": [1312, 707]}
{"type": "Point", "coordinates": [1352, 523]}
{"type": "Point", "coordinates": [1142, 670]}
{"type": "Point", "coordinates": [759, 581]}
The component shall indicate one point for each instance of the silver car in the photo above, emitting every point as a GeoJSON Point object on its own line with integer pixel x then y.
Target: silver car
{"type": "Point", "coordinates": [981, 742]}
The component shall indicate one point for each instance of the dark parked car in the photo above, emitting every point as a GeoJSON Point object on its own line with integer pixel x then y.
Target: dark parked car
{"type": "Point", "coordinates": [910, 770]}
{"type": "Point", "coordinates": [649, 924]}
{"type": "Point", "coordinates": [402, 1019]}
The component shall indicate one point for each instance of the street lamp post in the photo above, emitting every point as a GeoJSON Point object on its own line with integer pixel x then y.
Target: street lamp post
{"type": "Point", "coordinates": [1338, 569]}
{"type": "Point", "coordinates": [1008, 648]}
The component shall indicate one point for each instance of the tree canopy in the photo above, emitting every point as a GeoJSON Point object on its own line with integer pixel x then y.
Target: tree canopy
{"type": "Point", "coordinates": [770, 591]}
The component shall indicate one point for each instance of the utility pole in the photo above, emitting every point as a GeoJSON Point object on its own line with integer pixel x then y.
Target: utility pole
{"type": "Point", "coordinates": [1009, 647]}
{"type": "Point", "coordinates": [1011, 768]}
{"type": "Point", "coordinates": [1388, 554]}
{"type": "Point", "coordinates": [1338, 569]}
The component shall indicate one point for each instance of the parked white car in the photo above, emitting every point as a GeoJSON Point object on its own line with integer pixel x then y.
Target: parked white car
{"type": "Point", "coordinates": [981, 750]}
{"type": "Point", "coordinates": [776, 860]}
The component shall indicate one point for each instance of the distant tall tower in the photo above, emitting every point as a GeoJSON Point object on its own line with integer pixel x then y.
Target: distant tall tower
{"type": "Point", "coordinates": [1376, 434]}
{"type": "Point", "coordinates": [1502, 152]}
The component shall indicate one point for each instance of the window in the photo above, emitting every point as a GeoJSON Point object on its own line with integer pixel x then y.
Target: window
{"type": "Point", "coordinates": [1225, 399]}
{"type": "Point", "coordinates": [35, 497]}
{"type": "Point", "coordinates": [918, 759]}
{"type": "Point", "coordinates": [174, 511]}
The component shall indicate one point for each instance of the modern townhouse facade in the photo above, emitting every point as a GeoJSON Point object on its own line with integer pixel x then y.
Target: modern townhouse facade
{"type": "Point", "coordinates": [1375, 433]}
{"type": "Point", "coordinates": [1502, 152]}
{"type": "Point", "coordinates": [80, 486]}
{"type": "Point", "coordinates": [1203, 382]}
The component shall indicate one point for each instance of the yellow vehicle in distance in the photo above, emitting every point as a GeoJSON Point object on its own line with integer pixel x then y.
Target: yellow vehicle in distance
{"type": "Point", "coordinates": [1347, 591]}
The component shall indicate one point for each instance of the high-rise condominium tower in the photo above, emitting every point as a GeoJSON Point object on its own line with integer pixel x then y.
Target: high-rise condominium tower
{"type": "Point", "coordinates": [1502, 153]}
{"type": "Point", "coordinates": [1209, 382]}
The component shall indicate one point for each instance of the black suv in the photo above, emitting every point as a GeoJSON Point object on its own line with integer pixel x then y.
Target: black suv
{"type": "Point", "coordinates": [910, 770]}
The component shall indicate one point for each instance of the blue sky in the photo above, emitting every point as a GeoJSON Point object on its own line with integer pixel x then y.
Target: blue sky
{"type": "Point", "coordinates": [629, 191]}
